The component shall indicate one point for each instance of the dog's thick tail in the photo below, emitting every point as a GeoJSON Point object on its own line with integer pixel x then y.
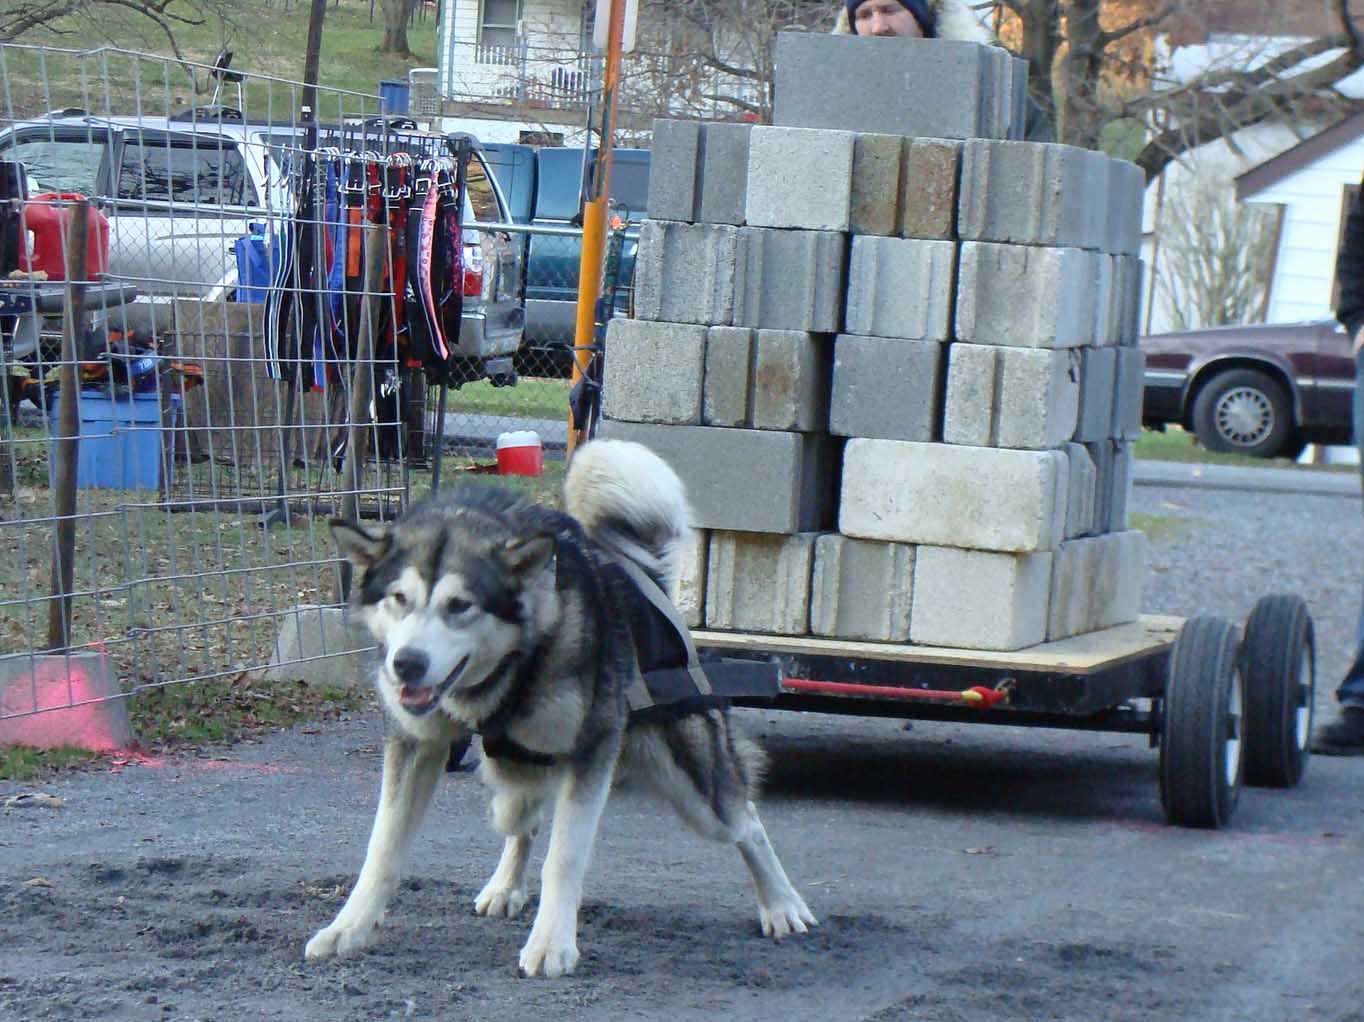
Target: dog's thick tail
{"type": "Point", "coordinates": [629, 500]}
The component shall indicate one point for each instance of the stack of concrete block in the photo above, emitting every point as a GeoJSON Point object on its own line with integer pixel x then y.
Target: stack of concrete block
{"type": "Point", "coordinates": [907, 326]}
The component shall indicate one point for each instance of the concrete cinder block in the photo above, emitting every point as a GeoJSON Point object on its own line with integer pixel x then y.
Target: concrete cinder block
{"type": "Point", "coordinates": [759, 583]}
{"type": "Point", "coordinates": [1030, 193]}
{"type": "Point", "coordinates": [974, 599]}
{"type": "Point", "coordinates": [1025, 297]}
{"type": "Point", "coordinates": [723, 191]}
{"type": "Point", "coordinates": [654, 371]}
{"type": "Point", "coordinates": [1104, 455]}
{"type": "Point", "coordinates": [729, 376]}
{"type": "Point", "coordinates": [1022, 398]}
{"type": "Point", "coordinates": [799, 178]}
{"type": "Point", "coordinates": [930, 88]}
{"type": "Point", "coordinates": [673, 182]}
{"type": "Point", "coordinates": [746, 480]}
{"type": "Point", "coordinates": [791, 373]}
{"type": "Point", "coordinates": [1106, 301]}
{"type": "Point", "coordinates": [1121, 481]}
{"type": "Point", "coordinates": [875, 183]}
{"type": "Point", "coordinates": [929, 178]}
{"type": "Point", "coordinates": [65, 700]}
{"type": "Point", "coordinates": [1098, 374]}
{"type": "Point", "coordinates": [321, 646]}
{"type": "Point", "coordinates": [1018, 123]}
{"type": "Point", "coordinates": [886, 387]}
{"type": "Point", "coordinates": [1129, 384]}
{"type": "Point", "coordinates": [1082, 482]}
{"type": "Point", "coordinates": [975, 497]}
{"type": "Point", "coordinates": [689, 595]}
{"type": "Point", "coordinates": [901, 287]}
{"type": "Point", "coordinates": [792, 280]}
{"type": "Point", "coordinates": [861, 590]}
{"type": "Point", "coordinates": [1096, 583]}
{"type": "Point", "coordinates": [1128, 288]}
{"type": "Point", "coordinates": [1126, 194]}
{"type": "Point", "coordinates": [688, 273]}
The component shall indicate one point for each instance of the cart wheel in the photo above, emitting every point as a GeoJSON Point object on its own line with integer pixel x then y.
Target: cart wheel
{"type": "Point", "coordinates": [1278, 662]}
{"type": "Point", "coordinates": [1200, 748]}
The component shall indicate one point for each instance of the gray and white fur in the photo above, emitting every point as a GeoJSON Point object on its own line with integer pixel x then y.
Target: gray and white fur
{"type": "Point", "coordinates": [495, 615]}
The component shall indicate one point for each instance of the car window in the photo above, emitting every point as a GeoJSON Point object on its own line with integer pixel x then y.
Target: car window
{"type": "Point", "coordinates": [204, 175]}
{"type": "Point", "coordinates": [557, 188]}
{"type": "Point", "coordinates": [630, 185]}
{"type": "Point", "coordinates": [482, 196]}
{"type": "Point", "coordinates": [61, 165]}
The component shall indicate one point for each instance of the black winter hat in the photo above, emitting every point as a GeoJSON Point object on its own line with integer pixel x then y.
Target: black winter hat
{"type": "Point", "coordinates": [923, 14]}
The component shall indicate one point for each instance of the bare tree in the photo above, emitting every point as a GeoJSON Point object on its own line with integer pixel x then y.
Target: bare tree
{"type": "Point", "coordinates": [21, 17]}
{"type": "Point", "coordinates": [397, 14]}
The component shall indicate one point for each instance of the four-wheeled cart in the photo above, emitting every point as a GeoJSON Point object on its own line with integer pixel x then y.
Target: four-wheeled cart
{"type": "Point", "coordinates": [1226, 707]}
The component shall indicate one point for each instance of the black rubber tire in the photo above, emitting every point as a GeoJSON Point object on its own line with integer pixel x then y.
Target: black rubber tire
{"type": "Point", "coordinates": [1198, 788]}
{"type": "Point", "coordinates": [1279, 648]}
{"type": "Point", "coordinates": [1262, 394]}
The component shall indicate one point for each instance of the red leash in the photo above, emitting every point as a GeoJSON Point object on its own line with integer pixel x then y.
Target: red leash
{"type": "Point", "coordinates": [977, 697]}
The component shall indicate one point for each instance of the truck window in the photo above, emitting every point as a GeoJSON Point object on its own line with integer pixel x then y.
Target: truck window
{"type": "Point", "coordinates": [204, 175]}
{"type": "Point", "coordinates": [59, 165]}
{"type": "Point", "coordinates": [630, 185]}
{"type": "Point", "coordinates": [482, 197]}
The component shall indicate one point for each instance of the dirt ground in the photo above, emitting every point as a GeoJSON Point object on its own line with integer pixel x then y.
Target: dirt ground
{"type": "Point", "coordinates": [960, 873]}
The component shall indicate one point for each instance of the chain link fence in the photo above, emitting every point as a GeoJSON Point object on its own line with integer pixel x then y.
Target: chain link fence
{"type": "Point", "coordinates": [234, 349]}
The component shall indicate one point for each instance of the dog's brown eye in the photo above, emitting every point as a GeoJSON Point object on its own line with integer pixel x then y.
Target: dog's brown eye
{"type": "Point", "coordinates": [399, 600]}
{"type": "Point", "coordinates": [457, 606]}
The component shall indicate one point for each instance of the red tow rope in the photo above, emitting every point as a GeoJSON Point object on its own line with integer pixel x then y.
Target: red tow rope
{"type": "Point", "coordinates": [977, 697]}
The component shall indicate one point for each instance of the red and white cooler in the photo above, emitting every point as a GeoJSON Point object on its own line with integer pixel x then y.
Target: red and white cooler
{"type": "Point", "coordinates": [520, 453]}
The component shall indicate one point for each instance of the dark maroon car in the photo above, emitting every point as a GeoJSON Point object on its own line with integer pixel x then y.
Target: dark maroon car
{"type": "Point", "coordinates": [1266, 390]}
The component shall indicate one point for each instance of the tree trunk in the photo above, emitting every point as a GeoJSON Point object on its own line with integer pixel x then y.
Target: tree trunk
{"type": "Point", "coordinates": [396, 15]}
{"type": "Point", "coordinates": [1041, 21]}
{"type": "Point", "coordinates": [1079, 118]}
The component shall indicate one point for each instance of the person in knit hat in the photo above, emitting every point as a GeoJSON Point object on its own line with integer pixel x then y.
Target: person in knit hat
{"type": "Point", "coordinates": [930, 19]}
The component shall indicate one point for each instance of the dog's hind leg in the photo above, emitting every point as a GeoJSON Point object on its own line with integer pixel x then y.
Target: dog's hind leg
{"type": "Point", "coordinates": [552, 948]}
{"type": "Point", "coordinates": [707, 771]}
{"type": "Point", "coordinates": [411, 770]}
{"type": "Point", "coordinates": [517, 811]}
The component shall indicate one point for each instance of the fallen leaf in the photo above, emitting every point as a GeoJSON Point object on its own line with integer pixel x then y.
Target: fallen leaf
{"type": "Point", "coordinates": [983, 850]}
{"type": "Point", "coordinates": [38, 882]}
{"type": "Point", "coordinates": [33, 799]}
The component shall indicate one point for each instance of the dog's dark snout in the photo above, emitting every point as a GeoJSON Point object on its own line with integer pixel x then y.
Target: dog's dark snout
{"type": "Point", "coordinates": [410, 664]}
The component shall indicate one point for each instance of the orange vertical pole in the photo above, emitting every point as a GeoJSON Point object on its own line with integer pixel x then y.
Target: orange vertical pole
{"type": "Point", "coordinates": [594, 216]}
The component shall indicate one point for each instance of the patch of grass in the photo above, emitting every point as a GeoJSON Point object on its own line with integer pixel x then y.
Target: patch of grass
{"type": "Point", "coordinates": [531, 398]}
{"type": "Point", "coordinates": [1176, 444]}
{"type": "Point", "coordinates": [25, 763]}
{"type": "Point", "coordinates": [1161, 526]}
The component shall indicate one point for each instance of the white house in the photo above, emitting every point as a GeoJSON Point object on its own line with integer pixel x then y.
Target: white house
{"type": "Point", "coordinates": [1312, 186]}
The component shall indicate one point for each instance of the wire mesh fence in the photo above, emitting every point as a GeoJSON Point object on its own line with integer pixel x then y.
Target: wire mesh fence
{"type": "Point", "coordinates": [262, 319]}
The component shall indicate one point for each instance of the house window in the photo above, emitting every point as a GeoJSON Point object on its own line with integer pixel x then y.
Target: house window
{"type": "Point", "coordinates": [1347, 201]}
{"type": "Point", "coordinates": [499, 23]}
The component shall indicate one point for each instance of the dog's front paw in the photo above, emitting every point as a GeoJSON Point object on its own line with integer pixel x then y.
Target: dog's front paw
{"type": "Point", "coordinates": [785, 916]}
{"type": "Point", "coordinates": [500, 901]}
{"type": "Point", "coordinates": [549, 957]}
{"type": "Point", "coordinates": [339, 939]}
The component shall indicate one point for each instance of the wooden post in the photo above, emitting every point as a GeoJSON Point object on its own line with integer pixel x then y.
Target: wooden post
{"type": "Point", "coordinates": [362, 384]}
{"type": "Point", "coordinates": [66, 444]}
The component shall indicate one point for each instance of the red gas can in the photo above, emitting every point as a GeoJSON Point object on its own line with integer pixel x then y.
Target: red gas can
{"type": "Point", "coordinates": [44, 222]}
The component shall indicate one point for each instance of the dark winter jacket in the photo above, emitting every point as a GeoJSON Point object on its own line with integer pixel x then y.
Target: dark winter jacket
{"type": "Point", "coordinates": [1350, 269]}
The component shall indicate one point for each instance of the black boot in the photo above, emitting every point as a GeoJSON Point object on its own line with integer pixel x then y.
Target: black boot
{"type": "Point", "coordinates": [1343, 737]}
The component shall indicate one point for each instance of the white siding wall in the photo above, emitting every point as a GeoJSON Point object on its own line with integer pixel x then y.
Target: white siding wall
{"type": "Point", "coordinates": [1312, 201]}
{"type": "Point", "coordinates": [549, 25]}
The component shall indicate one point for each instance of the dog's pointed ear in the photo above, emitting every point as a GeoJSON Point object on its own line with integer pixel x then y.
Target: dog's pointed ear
{"type": "Point", "coordinates": [528, 557]}
{"type": "Point", "coordinates": [363, 549]}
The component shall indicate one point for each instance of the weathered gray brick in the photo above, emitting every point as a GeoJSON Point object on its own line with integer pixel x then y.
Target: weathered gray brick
{"type": "Point", "coordinates": [1106, 302]}
{"type": "Point", "coordinates": [1098, 375]}
{"type": "Point", "coordinates": [654, 371]}
{"type": "Point", "coordinates": [930, 88]}
{"type": "Point", "coordinates": [1121, 481]}
{"type": "Point", "coordinates": [1128, 390]}
{"type": "Point", "coordinates": [1030, 193]}
{"type": "Point", "coordinates": [792, 280]}
{"type": "Point", "coordinates": [974, 599]}
{"type": "Point", "coordinates": [745, 480]}
{"type": "Point", "coordinates": [1082, 491]}
{"type": "Point", "coordinates": [1104, 455]}
{"type": "Point", "coordinates": [791, 373]}
{"type": "Point", "coordinates": [759, 583]}
{"type": "Point", "coordinates": [799, 178]}
{"type": "Point", "coordinates": [673, 182]}
{"type": "Point", "coordinates": [724, 173]}
{"type": "Point", "coordinates": [1025, 297]}
{"type": "Point", "coordinates": [688, 273]}
{"type": "Point", "coordinates": [690, 594]}
{"type": "Point", "coordinates": [875, 183]}
{"type": "Point", "coordinates": [1128, 294]}
{"type": "Point", "coordinates": [886, 387]}
{"type": "Point", "coordinates": [901, 287]}
{"type": "Point", "coordinates": [928, 189]}
{"type": "Point", "coordinates": [974, 497]}
{"type": "Point", "coordinates": [1023, 398]}
{"type": "Point", "coordinates": [861, 590]}
{"type": "Point", "coordinates": [1096, 583]}
{"type": "Point", "coordinates": [729, 376]}
{"type": "Point", "coordinates": [1126, 194]}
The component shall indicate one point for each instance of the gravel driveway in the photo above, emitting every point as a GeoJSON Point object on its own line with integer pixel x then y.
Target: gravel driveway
{"type": "Point", "coordinates": [961, 873]}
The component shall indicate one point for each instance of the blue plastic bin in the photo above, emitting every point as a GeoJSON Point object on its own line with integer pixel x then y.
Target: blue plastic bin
{"type": "Point", "coordinates": [394, 97]}
{"type": "Point", "coordinates": [120, 440]}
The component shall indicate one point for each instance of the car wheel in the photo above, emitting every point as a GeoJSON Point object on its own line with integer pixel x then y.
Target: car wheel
{"type": "Point", "coordinates": [1243, 411]}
